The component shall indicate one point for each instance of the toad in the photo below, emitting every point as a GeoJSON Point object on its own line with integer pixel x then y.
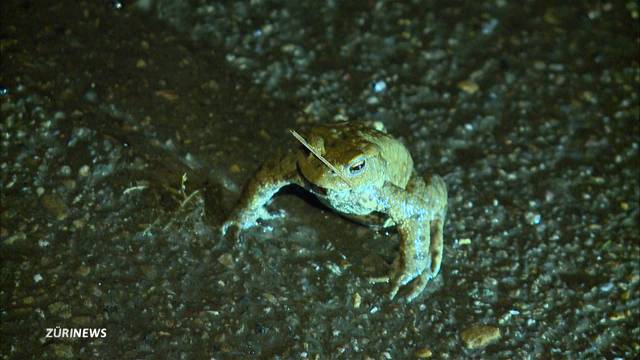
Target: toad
{"type": "Point", "coordinates": [366, 175]}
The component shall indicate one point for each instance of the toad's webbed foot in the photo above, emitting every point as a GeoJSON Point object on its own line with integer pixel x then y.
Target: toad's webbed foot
{"type": "Point", "coordinates": [242, 220]}
{"type": "Point", "coordinates": [419, 259]}
{"type": "Point", "coordinates": [399, 279]}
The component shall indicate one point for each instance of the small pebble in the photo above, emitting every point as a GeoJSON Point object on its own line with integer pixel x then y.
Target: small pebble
{"type": "Point", "coordinates": [78, 223]}
{"type": "Point", "coordinates": [270, 298]}
{"type": "Point", "coordinates": [226, 260]}
{"type": "Point", "coordinates": [167, 95]}
{"type": "Point", "coordinates": [55, 206]}
{"type": "Point", "coordinates": [29, 300]}
{"type": "Point", "coordinates": [65, 170]}
{"type": "Point", "coordinates": [84, 171]}
{"type": "Point", "coordinates": [532, 218]}
{"type": "Point", "coordinates": [626, 295]}
{"type": "Point", "coordinates": [379, 86]}
{"type": "Point", "coordinates": [468, 86]}
{"type": "Point", "coordinates": [141, 64]}
{"type": "Point", "coordinates": [424, 353]}
{"type": "Point", "coordinates": [83, 270]}
{"type": "Point", "coordinates": [480, 336]}
{"type": "Point", "coordinates": [62, 351]}
{"type": "Point", "coordinates": [539, 65]}
{"type": "Point", "coordinates": [618, 315]}
{"type": "Point", "coordinates": [235, 168]}
{"type": "Point", "coordinates": [264, 134]}
{"type": "Point", "coordinates": [69, 184]}
{"type": "Point", "coordinates": [357, 299]}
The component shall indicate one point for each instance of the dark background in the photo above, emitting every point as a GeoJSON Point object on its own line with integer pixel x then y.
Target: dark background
{"type": "Point", "coordinates": [114, 114]}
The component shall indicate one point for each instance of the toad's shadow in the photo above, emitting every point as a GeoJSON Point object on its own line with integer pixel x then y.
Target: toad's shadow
{"type": "Point", "coordinates": [370, 249]}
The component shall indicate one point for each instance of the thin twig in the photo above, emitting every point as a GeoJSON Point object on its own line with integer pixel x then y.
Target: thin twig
{"type": "Point", "coordinates": [320, 157]}
{"type": "Point", "coordinates": [133, 188]}
{"type": "Point", "coordinates": [186, 200]}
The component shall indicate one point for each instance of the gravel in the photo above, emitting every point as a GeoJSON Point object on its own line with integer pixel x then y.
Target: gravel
{"type": "Point", "coordinates": [127, 130]}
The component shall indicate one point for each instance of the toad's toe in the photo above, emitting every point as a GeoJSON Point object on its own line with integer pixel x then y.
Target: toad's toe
{"type": "Point", "coordinates": [418, 285]}
{"type": "Point", "coordinates": [398, 281]}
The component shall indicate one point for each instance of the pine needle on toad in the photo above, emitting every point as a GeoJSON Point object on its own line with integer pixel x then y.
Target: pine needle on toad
{"type": "Point", "coordinates": [320, 157]}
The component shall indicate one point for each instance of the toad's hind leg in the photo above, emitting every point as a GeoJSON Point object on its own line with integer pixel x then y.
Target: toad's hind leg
{"type": "Point", "coordinates": [435, 253]}
{"type": "Point", "coordinates": [433, 190]}
{"type": "Point", "coordinates": [434, 193]}
{"type": "Point", "coordinates": [437, 245]}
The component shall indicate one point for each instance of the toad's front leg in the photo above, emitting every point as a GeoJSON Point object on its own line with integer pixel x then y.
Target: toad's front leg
{"type": "Point", "coordinates": [273, 175]}
{"type": "Point", "coordinates": [420, 226]}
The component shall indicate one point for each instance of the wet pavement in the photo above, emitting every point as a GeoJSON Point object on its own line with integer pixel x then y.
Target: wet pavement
{"type": "Point", "coordinates": [128, 130]}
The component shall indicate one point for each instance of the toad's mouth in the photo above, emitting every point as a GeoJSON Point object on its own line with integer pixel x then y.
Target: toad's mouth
{"type": "Point", "coordinates": [311, 187]}
{"type": "Point", "coordinates": [314, 189]}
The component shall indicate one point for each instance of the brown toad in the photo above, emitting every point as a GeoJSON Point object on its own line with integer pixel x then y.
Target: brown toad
{"type": "Point", "coordinates": [375, 184]}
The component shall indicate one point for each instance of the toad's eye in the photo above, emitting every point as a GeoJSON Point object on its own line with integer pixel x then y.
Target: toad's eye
{"type": "Point", "coordinates": [357, 167]}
